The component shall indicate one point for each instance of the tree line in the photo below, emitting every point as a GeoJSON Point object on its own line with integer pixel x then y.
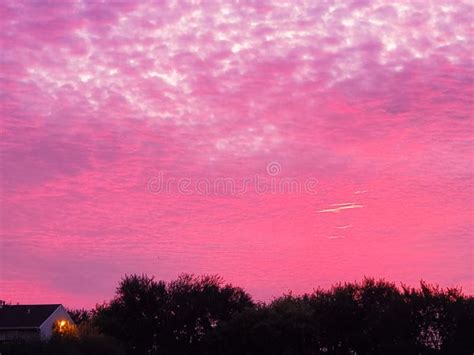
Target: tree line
{"type": "Point", "coordinates": [204, 315]}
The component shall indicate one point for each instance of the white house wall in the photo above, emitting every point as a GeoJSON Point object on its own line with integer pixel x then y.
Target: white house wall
{"type": "Point", "coordinates": [59, 314]}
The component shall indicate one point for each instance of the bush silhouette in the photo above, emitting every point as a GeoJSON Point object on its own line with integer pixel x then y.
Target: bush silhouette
{"type": "Point", "coordinates": [203, 315]}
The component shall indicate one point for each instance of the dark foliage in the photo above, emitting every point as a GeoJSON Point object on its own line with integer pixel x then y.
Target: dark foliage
{"type": "Point", "coordinates": [202, 315]}
{"type": "Point", "coordinates": [372, 317]}
{"type": "Point", "coordinates": [80, 316]}
{"type": "Point", "coordinates": [150, 316]}
{"type": "Point", "coordinates": [90, 345]}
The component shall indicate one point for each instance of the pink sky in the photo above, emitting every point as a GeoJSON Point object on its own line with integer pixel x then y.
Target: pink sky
{"type": "Point", "coordinates": [371, 99]}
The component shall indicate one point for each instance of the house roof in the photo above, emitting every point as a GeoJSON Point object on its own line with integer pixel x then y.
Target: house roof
{"type": "Point", "coordinates": [25, 316]}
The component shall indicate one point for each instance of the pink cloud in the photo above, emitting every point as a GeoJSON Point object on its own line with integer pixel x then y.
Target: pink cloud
{"type": "Point", "coordinates": [362, 96]}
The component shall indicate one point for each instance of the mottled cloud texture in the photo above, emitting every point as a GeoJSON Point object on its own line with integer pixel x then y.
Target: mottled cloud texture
{"type": "Point", "coordinates": [371, 98]}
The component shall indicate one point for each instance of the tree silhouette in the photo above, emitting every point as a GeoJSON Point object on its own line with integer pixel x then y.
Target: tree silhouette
{"type": "Point", "coordinates": [150, 316]}
{"type": "Point", "coordinates": [371, 317]}
{"type": "Point", "coordinates": [136, 315]}
{"type": "Point", "coordinates": [204, 316]}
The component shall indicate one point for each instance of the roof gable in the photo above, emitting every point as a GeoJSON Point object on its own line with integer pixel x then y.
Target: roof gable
{"type": "Point", "coordinates": [25, 316]}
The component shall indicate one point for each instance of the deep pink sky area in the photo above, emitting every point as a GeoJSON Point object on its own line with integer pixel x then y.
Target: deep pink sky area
{"type": "Point", "coordinates": [371, 99]}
